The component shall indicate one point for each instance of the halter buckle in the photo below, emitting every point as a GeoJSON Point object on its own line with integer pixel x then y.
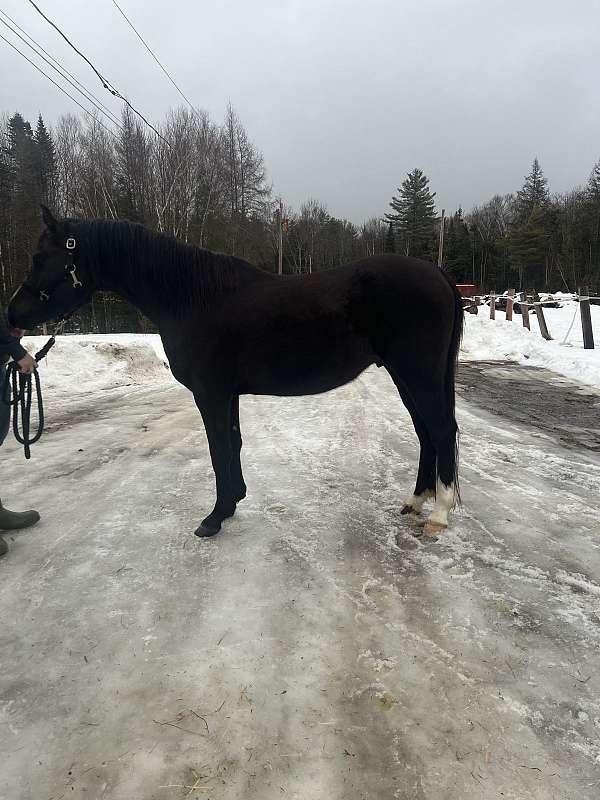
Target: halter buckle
{"type": "Point", "coordinates": [70, 244]}
{"type": "Point", "coordinates": [74, 278]}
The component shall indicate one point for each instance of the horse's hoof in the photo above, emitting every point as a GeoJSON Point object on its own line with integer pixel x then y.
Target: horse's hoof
{"type": "Point", "coordinates": [432, 529]}
{"type": "Point", "coordinates": [406, 509]}
{"type": "Point", "coordinates": [205, 531]}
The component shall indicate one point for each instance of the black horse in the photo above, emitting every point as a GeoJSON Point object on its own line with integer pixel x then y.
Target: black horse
{"type": "Point", "coordinates": [229, 328]}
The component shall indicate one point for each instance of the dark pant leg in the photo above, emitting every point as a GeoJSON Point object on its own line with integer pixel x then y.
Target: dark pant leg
{"type": "Point", "coordinates": [4, 407]}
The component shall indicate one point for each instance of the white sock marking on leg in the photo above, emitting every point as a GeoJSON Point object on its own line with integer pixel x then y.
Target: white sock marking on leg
{"type": "Point", "coordinates": [444, 501]}
{"type": "Point", "coordinates": [416, 501]}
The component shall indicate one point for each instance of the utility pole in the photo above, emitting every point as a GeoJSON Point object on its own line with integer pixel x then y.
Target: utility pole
{"type": "Point", "coordinates": [441, 245]}
{"type": "Point", "coordinates": [280, 254]}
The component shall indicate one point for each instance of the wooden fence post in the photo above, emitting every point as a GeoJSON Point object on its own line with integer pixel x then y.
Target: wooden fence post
{"type": "Point", "coordinates": [525, 311]}
{"type": "Point", "coordinates": [492, 306]}
{"type": "Point", "coordinates": [509, 304]}
{"type": "Point", "coordinates": [586, 321]}
{"type": "Point", "coordinates": [539, 310]}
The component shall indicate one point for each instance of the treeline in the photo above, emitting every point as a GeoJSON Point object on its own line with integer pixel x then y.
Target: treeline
{"type": "Point", "coordinates": [201, 181]}
{"type": "Point", "coordinates": [206, 183]}
{"type": "Point", "coordinates": [529, 240]}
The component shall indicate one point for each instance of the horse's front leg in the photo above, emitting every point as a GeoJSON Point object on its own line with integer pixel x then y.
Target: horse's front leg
{"type": "Point", "coordinates": [216, 414]}
{"type": "Point", "coordinates": [237, 479]}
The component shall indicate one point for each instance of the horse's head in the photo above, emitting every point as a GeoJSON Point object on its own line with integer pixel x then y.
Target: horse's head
{"type": "Point", "coordinates": [60, 280]}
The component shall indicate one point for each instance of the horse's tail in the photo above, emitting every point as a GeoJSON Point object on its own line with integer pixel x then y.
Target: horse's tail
{"type": "Point", "coordinates": [451, 367]}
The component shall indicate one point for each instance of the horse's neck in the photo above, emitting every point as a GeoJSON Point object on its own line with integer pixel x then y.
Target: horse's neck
{"type": "Point", "coordinates": [164, 290]}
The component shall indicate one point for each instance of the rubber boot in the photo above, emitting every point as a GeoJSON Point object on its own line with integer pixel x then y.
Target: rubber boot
{"type": "Point", "coordinates": [16, 520]}
{"type": "Point", "coordinates": [3, 547]}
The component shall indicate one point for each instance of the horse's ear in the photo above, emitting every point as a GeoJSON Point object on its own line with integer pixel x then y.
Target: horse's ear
{"type": "Point", "coordinates": [50, 220]}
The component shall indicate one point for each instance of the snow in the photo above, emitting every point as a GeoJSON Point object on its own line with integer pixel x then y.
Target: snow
{"type": "Point", "coordinates": [314, 648]}
{"type": "Point", "coordinates": [499, 340]}
{"type": "Point", "coordinates": [84, 364]}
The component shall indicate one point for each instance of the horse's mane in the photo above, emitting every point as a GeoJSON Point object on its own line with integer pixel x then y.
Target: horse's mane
{"type": "Point", "coordinates": [179, 273]}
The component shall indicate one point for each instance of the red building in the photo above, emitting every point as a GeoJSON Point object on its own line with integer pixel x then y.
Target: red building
{"type": "Point", "coordinates": [467, 289]}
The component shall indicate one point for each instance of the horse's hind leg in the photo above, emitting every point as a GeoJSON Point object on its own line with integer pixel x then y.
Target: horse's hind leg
{"type": "Point", "coordinates": [446, 494]}
{"type": "Point", "coordinates": [435, 424]}
{"type": "Point", "coordinates": [438, 418]}
{"type": "Point", "coordinates": [425, 485]}
{"type": "Point", "coordinates": [238, 486]}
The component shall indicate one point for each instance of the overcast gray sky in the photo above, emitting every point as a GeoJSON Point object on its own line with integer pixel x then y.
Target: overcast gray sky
{"type": "Point", "coordinates": [344, 98]}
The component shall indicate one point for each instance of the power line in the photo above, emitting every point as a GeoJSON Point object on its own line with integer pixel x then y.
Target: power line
{"type": "Point", "coordinates": [60, 70]}
{"type": "Point", "coordinates": [51, 57]}
{"type": "Point", "coordinates": [107, 85]}
{"type": "Point", "coordinates": [154, 56]}
{"type": "Point", "coordinates": [58, 86]}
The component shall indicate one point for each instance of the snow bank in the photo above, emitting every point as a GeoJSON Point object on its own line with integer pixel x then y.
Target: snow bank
{"type": "Point", "coordinates": [499, 340]}
{"type": "Point", "coordinates": [90, 363]}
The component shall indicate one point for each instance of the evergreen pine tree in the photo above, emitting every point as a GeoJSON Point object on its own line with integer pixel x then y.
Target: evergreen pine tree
{"type": "Point", "coordinates": [527, 246]}
{"type": "Point", "coordinates": [458, 249]}
{"type": "Point", "coordinates": [22, 170]}
{"type": "Point", "coordinates": [46, 162]}
{"type": "Point", "coordinates": [6, 183]}
{"type": "Point", "coordinates": [390, 239]}
{"type": "Point", "coordinates": [592, 213]}
{"type": "Point", "coordinates": [22, 154]}
{"type": "Point", "coordinates": [533, 194]}
{"type": "Point", "coordinates": [594, 183]}
{"type": "Point", "coordinates": [414, 217]}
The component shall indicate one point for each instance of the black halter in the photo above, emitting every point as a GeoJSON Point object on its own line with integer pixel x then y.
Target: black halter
{"type": "Point", "coordinates": [70, 274]}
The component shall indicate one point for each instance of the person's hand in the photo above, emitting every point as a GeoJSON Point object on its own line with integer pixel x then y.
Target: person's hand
{"type": "Point", "coordinates": [16, 332]}
{"type": "Point", "coordinates": [27, 364]}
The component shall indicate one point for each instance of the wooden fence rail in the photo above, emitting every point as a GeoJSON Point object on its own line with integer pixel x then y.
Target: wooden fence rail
{"type": "Point", "coordinates": [586, 322]}
{"type": "Point", "coordinates": [538, 306]}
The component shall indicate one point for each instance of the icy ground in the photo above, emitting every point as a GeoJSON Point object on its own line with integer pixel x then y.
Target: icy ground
{"type": "Point", "coordinates": [313, 650]}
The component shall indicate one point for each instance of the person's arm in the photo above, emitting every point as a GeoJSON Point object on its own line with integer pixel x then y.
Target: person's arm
{"type": "Point", "coordinates": [10, 345]}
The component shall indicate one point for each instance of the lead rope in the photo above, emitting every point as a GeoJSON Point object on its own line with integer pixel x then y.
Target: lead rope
{"type": "Point", "coordinates": [18, 394]}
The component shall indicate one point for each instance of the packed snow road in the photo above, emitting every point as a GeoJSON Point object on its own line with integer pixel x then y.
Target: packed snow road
{"type": "Point", "coordinates": [314, 649]}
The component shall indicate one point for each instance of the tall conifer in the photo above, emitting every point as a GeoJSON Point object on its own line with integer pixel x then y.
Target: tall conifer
{"type": "Point", "coordinates": [414, 215]}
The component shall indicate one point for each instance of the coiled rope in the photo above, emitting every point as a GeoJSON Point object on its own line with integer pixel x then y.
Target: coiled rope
{"type": "Point", "coordinates": [17, 393]}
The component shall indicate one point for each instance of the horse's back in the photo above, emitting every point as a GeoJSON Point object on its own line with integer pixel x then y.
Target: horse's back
{"type": "Point", "coordinates": [410, 277]}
